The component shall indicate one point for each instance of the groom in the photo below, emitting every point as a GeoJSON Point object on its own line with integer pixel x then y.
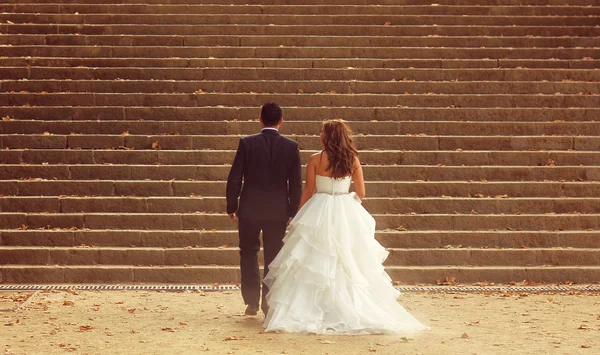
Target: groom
{"type": "Point", "coordinates": [269, 166]}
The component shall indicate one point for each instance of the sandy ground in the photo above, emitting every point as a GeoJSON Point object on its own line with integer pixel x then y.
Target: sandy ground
{"type": "Point", "coordinates": [148, 322]}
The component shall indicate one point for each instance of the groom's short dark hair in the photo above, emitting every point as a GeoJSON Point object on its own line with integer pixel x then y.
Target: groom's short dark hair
{"type": "Point", "coordinates": [271, 114]}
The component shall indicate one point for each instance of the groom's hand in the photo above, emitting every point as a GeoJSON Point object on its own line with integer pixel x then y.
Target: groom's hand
{"type": "Point", "coordinates": [233, 217]}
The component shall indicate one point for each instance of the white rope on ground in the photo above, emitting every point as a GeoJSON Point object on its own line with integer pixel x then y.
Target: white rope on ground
{"type": "Point", "coordinates": [216, 288]}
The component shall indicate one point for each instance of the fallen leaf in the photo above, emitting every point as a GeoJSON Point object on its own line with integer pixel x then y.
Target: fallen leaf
{"type": "Point", "coordinates": [235, 337]}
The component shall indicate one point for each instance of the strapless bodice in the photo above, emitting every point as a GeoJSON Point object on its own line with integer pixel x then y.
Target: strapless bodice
{"type": "Point", "coordinates": [329, 185]}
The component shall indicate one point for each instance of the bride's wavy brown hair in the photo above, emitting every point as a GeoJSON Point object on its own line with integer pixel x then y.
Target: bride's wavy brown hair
{"type": "Point", "coordinates": [340, 148]}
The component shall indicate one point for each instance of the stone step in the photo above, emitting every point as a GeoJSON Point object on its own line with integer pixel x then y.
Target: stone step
{"type": "Point", "coordinates": [300, 86]}
{"type": "Point", "coordinates": [298, 52]}
{"type": "Point", "coordinates": [229, 238]}
{"type": "Point", "coordinates": [230, 256]}
{"type": "Point", "coordinates": [300, 74]}
{"type": "Point", "coordinates": [588, 63]}
{"type": "Point", "coordinates": [216, 157]}
{"type": "Point", "coordinates": [306, 100]}
{"type": "Point", "coordinates": [449, 128]}
{"type": "Point", "coordinates": [299, 30]}
{"type": "Point", "coordinates": [316, 2]}
{"type": "Point", "coordinates": [39, 187]}
{"type": "Point", "coordinates": [306, 142]}
{"type": "Point", "coordinates": [40, 274]}
{"type": "Point", "coordinates": [450, 62]}
{"type": "Point", "coordinates": [500, 204]}
{"type": "Point", "coordinates": [313, 9]}
{"type": "Point", "coordinates": [284, 19]}
{"type": "Point", "coordinates": [371, 172]}
{"type": "Point", "coordinates": [296, 41]}
{"type": "Point", "coordinates": [220, 114]}
{"type": "Point", "coordinates": [208, 221]}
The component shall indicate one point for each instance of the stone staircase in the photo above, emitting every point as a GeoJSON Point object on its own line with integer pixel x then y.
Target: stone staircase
{"type": "Point", "coordinates": [478, 123]}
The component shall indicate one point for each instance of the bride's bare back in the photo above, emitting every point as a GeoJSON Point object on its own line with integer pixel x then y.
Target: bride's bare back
{"type": "Point", "coordinates": [322, 164]}
{"type": "Point", "coordinates": [318, 165]}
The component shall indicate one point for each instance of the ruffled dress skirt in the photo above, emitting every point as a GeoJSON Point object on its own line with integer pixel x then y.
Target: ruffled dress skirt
{"type": "Point", "coordinates": [329, 278]}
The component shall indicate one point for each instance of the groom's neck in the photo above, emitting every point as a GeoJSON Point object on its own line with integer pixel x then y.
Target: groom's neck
{"type": "Point", "coordinates": [270, 127]}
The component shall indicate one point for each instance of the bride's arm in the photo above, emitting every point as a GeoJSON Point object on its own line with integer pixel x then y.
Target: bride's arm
{"type": "Point", "coordinates": [359, 181]}
{"type": "Point", "coordinates": [309, 187]}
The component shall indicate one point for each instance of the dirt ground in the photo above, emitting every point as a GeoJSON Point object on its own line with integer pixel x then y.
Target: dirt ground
{"type": "Point", "coordinates": [151, 322]}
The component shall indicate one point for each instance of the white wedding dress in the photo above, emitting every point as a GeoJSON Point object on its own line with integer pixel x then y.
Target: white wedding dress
{"type": "Point", "coordinates": [328, 278]}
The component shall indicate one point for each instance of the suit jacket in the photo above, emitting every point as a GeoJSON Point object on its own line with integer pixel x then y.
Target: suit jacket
{"type": "Point", "coordinates": [267, 164]}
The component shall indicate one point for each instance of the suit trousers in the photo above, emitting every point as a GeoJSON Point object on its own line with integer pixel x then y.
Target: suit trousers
{"type": "Point", "coordinates": [273, 232]}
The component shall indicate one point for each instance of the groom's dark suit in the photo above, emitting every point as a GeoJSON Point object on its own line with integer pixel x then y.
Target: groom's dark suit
{"type": "Point", "coordinates": [269, 165]}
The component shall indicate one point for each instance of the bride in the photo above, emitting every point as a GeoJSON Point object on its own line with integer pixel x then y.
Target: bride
{"type": "Point", "coordinates": [329, 277]}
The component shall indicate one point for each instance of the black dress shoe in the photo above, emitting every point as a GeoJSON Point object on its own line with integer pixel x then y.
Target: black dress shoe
{"type": "Point", "coordinates": [251, 310]}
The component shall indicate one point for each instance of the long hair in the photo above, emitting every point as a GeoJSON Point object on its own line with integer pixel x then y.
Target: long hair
{"type": "Point", "coordinates": [340, 148]}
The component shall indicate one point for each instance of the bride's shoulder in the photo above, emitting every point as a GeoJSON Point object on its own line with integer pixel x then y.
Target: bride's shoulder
{"type": "Point", "coordinates": [314, 158]}
{"type": "Point", "coordinates": [357, 162]}
{"type": "Point", "coordinates": [317, 156]}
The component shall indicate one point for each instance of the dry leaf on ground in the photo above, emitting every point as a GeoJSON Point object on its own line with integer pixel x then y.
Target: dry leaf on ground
{"type": "Point", "coordinates": [235, 337]}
